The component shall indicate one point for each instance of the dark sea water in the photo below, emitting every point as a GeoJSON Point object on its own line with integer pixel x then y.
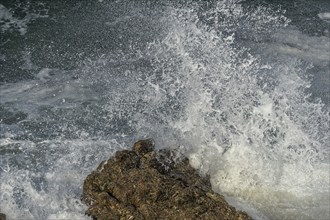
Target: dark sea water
{"type": "Point", "coordinates": [239, 87]}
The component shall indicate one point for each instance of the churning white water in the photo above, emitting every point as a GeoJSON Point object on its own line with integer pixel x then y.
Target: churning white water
{"type": "Point", "coordinates": [221, 82]}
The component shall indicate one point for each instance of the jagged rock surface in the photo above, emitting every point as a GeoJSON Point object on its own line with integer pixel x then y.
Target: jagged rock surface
{"type": "Point", "coordinates": [148, 184]}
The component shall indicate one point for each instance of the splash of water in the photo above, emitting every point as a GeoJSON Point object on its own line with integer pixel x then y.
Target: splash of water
{"type": "Point", "coordinates": [244, 118]}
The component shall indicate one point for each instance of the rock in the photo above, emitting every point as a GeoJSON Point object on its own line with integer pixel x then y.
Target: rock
{"type": "Point", "coordinates": [2, 216]}
{"type": "Point", "coordinates": [144, 146]}
{"type": "Point", "coordinates": [149, 184]}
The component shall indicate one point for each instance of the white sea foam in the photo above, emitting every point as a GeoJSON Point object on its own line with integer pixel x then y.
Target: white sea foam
{"type": "Point", "coordinates": [294, 43]}
{"type": "Point", "coordinates": [50, 87]}
{"type": "Point", "coordinates": [324, 16]}
{"type": "Point", "coordinates": [8, 22]}
{"type": "Point", "coordinates": [261, 141]}
{"type": "Point", "coordinates": [46, 180]}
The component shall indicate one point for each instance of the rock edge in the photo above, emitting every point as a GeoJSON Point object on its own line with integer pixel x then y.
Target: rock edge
{"type": "Point", "coordinates": [152, 184]}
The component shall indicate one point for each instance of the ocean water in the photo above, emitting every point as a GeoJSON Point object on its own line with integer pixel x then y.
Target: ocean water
{"type": "Point", "coordinates": [239, 87]}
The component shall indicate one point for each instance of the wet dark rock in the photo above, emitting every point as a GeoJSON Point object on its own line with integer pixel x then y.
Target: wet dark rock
{"type": "Point", "coordinates": [152, 184]}
{"type": "Point", "coordinates": [2, 216]}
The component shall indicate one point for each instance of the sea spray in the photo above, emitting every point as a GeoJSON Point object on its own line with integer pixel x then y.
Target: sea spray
{"type": "Point", "coordinates": [201, 77]}
{"type": "Point", "coordinates": [250, 126]}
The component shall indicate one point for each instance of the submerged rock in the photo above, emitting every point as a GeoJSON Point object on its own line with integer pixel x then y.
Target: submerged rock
{"type": "Point", "coordinates": [149, 184]}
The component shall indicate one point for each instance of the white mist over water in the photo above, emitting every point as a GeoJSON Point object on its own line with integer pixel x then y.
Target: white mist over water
{"type": "Point", "coordinates": [242, 117]}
